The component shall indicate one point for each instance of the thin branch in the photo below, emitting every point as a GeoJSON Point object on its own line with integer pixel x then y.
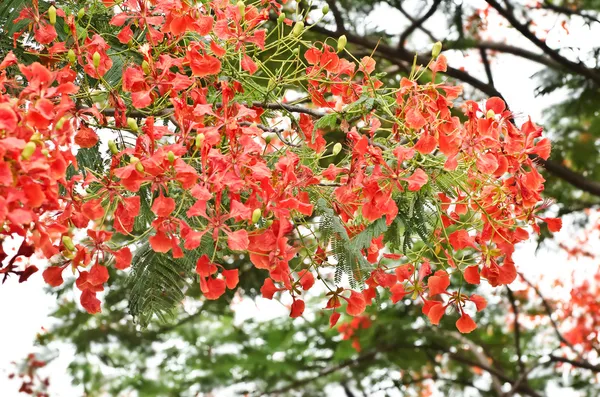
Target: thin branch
{"type": "Point", "coordinates": [568, 11]}
{"type": "Point", "coordinates": [517, 329]}
{"type": "Point", "coordinates": [578, 68]}
{"type": "Point", "coordinates": [576, 363]}
{"type": "Point", "coordinates": [416, 23]}
{"type": "Point", "coordinates": [337, 16]}
{"type": "Point", "coordinates": [486, 65]}
{"type": "Point", "coordinates": [398, 5]}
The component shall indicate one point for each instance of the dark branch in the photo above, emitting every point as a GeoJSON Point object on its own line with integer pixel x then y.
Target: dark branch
{"type": "Point", "coordinates": [517, 330]}
{"type": "Point", "coordinates": [416, 23]}
{"type": "Point", "coordinates": [486, 65]}
{"type": "Point", "coordinates": [576, 363]}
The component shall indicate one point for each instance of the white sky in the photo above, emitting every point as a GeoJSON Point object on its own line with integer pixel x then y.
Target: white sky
{"type": "Point", "coordinates": [25, 308]}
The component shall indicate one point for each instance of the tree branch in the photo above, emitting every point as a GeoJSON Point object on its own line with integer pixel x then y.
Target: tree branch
{"type": "Point", "coordinates": [578, 68]}
{"type": "Point", "coordinates": [416, 23]}
{"type": "Point", "coordinates": [486, 65]}
{"type": "Point", "coordinates": [517, 329]}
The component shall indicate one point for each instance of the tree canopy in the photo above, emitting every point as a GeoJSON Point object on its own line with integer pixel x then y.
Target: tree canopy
{"type": "Point", "coordinates": [171, 161]}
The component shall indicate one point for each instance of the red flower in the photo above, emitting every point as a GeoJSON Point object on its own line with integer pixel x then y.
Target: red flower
{"type": "Point", "coordinates": [297, 308]}
{"type": "Point", "coordinates": [465, 324]}
{"type": "Point", "coordinates": [356, 304]}
{"type": "Point", "coordinates": [438, 283]}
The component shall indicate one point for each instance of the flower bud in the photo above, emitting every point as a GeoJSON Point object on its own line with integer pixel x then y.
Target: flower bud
{"type": "Point", "coordinates": [113, 147]}
{"type": "Point", "coordinates": [45, 152]}
{"type": "Point", "coordinates": [256, 214]}
{"type": "Point", "coordinates": [52, 15]}
{"type": "Point", "coordinates": [268, 138]}
{"type": "Point", "coordinates": [281, 17]}
{"type": "Point", "coordinates": [81, 13]}
{"type": "Point", "coordinates": [436, 49]}
{"type": "Point", "coordinates": [71, 56]}
{"type": "Point", "coordinates": [342, 41]}
{"type": "Point", "coordinates": [96, 59]}
{"type": "Point", "coordinates": [171, 157]}
{"type": "Point", "coordinates": [337, 148]}
{"type": "Point", "coordinates": [490, 114]}
{"type": "Point", "coordinates": [28, 150]}
{"type": "Point", "coordinates": [131, 123]}
{"type": "Point", "coordinates": [146, 67]}
{"type": "Point", "coordinates": [68, 243]}
{"type": "Point", "coordinates": [297, 29]}
{"type": "Point", "coordinates": [325, 9]}
{"type": "Point", "coordinates": [60, 123]}
{"type": "Point", "coordinates": [133, 160]}
{"type": "Point", "coordinates": [199, 140]}
{"type": "Point", "coordinates": [139, 166]}
{"type": "Point", "coordinates": [241, 8]}
{"type": "Point", "coordinates": [269, 223]}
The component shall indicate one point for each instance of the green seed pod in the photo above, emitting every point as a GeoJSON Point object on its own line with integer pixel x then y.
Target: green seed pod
{"type": "Point", "coordinates": [325, 9]}
{"type": "Point", "coordinates": [146, 67]}
{"type": "Point", "coordinates": [139, 166]}
{"type": "Point", "coordinates": [297, 29]}
{"type": "Point", "coordinates": [71, 56]}
{"type": "Point", "coordinates": [337, 148]}
{"type": "Point", "coordinates": [131, 123]}
{"type": "Point", "coordinates": [342, 41]}
{"type": "Point", "coordinates": [81, 13]}
{"type": "Point", "coordinates": [171, 157]}
{"type": "Point", "coordinates": [281, 17]}
{"type": "Point", "coordinates": [28, 150]}
{"type": "Point", "coordinates": [113, 147]}
{"type": "Point", "coordinates": [256, 214]}
{"type": "Point", "coordinates": [68, 243]}
{"type": "Point", "coordinates": [199, 140]}
{"type": "Point", "coordinates": [241, 8]}
{"type": "Point", "coordinates": [436, 49]}
{"type": "Point", "coordinates": [96, 59]}
{"type": "Point", "coordinates": [52, 15]}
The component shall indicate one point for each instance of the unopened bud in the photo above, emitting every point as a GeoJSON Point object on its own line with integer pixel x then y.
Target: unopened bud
{"type": "Point", "coordinates": [256, 214]}
{"type": "Point", "coordinates": [131, 123]}
{"type": "Point", "coordinates": [436, 49]}
{"type": "Point", "coordinates": [325, 9]}
{"type": "Point", "coordinates": [96, 59]}
{"type": "Point", "coordinates": [81, 13]}
{"type": "Point", "coordinates": [342, 41]}
{"type": "Point", "coordinates": [268, 138]}
{"type": "Point", "coordinates": [71, 56]}
{"type": "Point", "coordinates": [28, 150]}
{"type": "Point", "coordinates": [281, 17]}
{"type": "Point", "coordinates": [52, 15]}
{"type": "Point", "coordinates": [146, 67]}
{"type": "Point", "coordinates": [199, 140]}
{"type": "Point", "coordinates": [133, 160]}
{"type": "Point", "coordinates": [241, 8]}
{"type": "Point", "coordinates": [490, 114]}
{"type": "Point", "coordinates": [171, 156]}
{"type": "Point", "coordinates": [68, 243]}
{"type": "Point", "coordinates": [113, 147]}
{"type": "Point", "coordinates": [297, 29]}
{"type": "Point", "coordinates": [337, 148]}
{"type": "Point", "coordinates": [269, 223]}
{"type": "Point", "coordinates": [139, 166]}
{"type": "Point", "coordinates": [60, 123]}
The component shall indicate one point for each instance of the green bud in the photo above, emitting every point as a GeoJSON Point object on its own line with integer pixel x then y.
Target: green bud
{"type": "Point", "coordinates": [490, 114]}
{"type": "Point", "coordinates": [436, 49]}
{"type": "Point", "coordinates": [52, 15]}
{"type": "Point", "coordinates": [60, 123]}
{"type": "Point", "coordinates": [171, 156]}
{"type": "Point", "coordinates": [113, 147]}
{"type": "Point", "coordinates": [146, 67]}
{"type": "Point", "coordinates": [268, 138]}
{"type": "Point", "coordinates": [337, 148]}
{"type": "Point", "coordinates": [131, 123]}
{"type": "Point", "coordinates": [256, 214]}
{"type": "Point", "coordinates": [199, 140]}
{"type": "Point", "coordinates": [71, 56]}
{"type": "Point", "coordinates": [45, 152]}
{"type": "Point", "coordinates": [297, 29]}
{"type": "Point", "coordinates": [342, 41]}
{"type": "Point", "coordinates": [281, 17]}
{"type": "Point", "coordinates": [241, 8]}
{"type": "Point", "coordinates": [269, 223]}
{"type": "Point", "coordinates": [139, 166]}
{"type": "Point", "coordinates": [133, 160]}
{"type": "Point", "coordinates": [96, 59]}
{"type": "Point", "coordinates": [68, 243]}
{"type": "Point", "coordinates": [28, 150]}
{"type": "Point", "coordinates": [81, 13]}
{"type": "Point", "coordinates": [296, 51]}
{"type": "Point", "coordinates": [325, 9]}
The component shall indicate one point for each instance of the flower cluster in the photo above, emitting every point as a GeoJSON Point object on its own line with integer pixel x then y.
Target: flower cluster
{"type": "Point", "coordinates": [209, 161]}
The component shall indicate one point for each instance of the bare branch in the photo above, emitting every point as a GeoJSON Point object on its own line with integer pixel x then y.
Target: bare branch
{"type": "Point", "coordinates": [416, 23]}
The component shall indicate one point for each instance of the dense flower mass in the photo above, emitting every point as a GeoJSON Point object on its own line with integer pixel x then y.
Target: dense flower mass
{"type": "Point", "coordinates": [413, 200]}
